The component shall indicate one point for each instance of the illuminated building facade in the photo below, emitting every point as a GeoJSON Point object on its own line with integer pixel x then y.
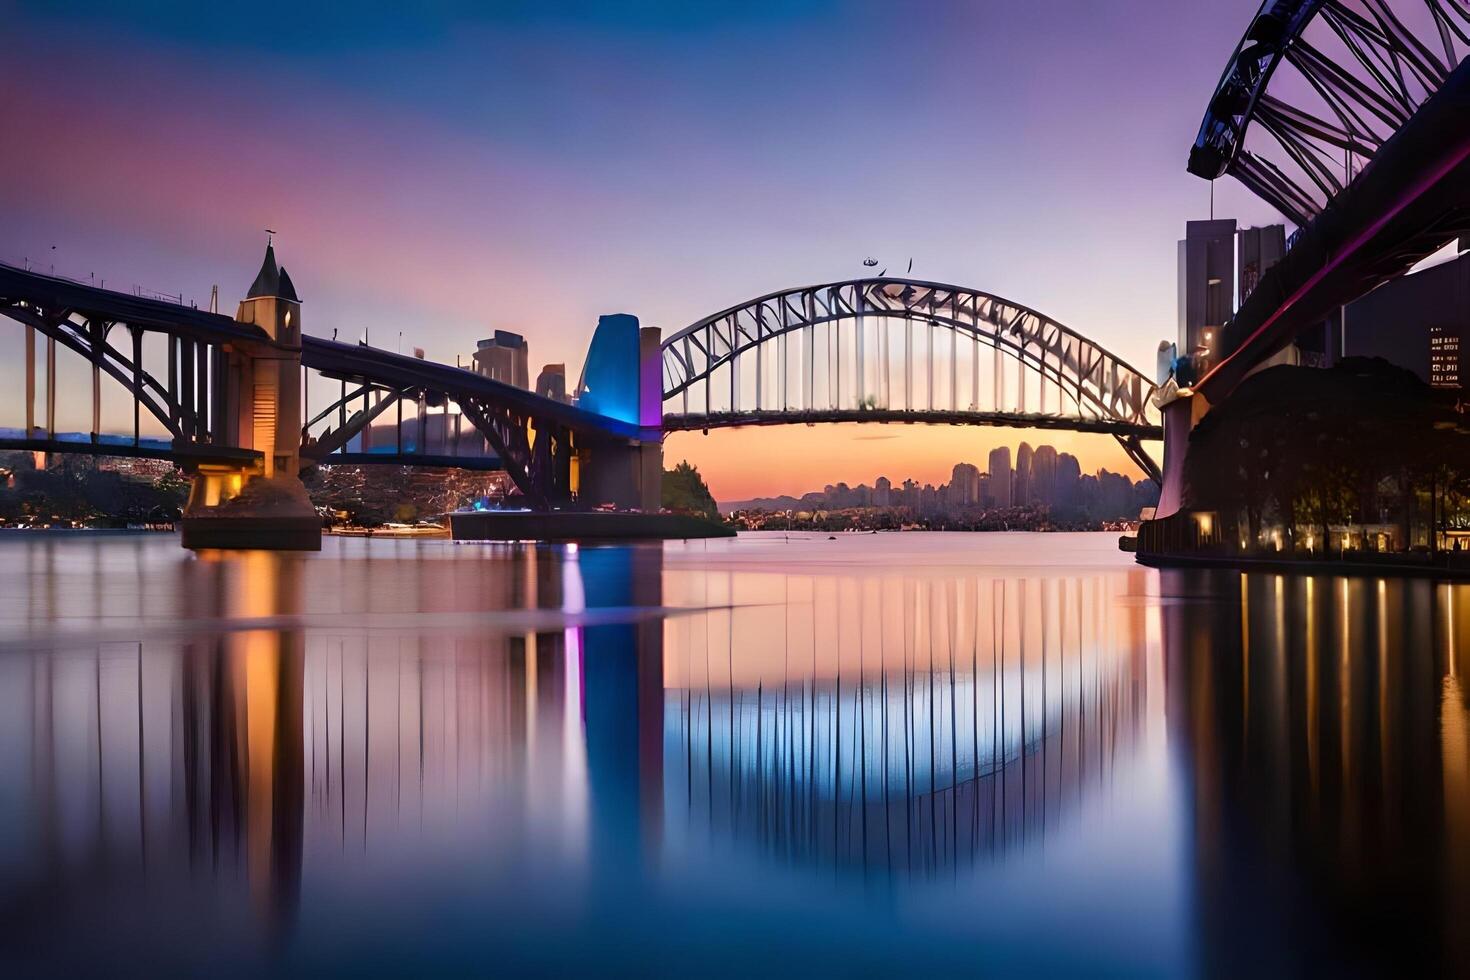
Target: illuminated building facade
{"type": "Point", "coordinates": [1418, 322]}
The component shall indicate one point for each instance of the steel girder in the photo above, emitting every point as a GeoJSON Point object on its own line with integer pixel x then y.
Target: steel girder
{"type": "Point", "coordinates": [1363, 68]}
{"type": "Point", "coordinates": [696, 422]}
{"type": "Point", "coordinates": [1108, 394]}
{"type": "Point", "coordinates": [185, 402]}
{"type": "Point", "coordinates": [1099, 383]}
{"type": "Point", "coordinates": [533, 437]}
{"type": "Point", "coordinates": [537, 459]}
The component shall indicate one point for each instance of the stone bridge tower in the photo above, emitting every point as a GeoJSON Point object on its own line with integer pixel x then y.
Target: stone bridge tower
{"type": "Point", "coordinates": [264, 506]}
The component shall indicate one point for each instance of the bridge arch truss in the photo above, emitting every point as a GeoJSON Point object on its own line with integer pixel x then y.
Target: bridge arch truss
{"type": "Point", "coordinates": [900, 350]}
{"type": "Point", "coordinates": [169, 361]}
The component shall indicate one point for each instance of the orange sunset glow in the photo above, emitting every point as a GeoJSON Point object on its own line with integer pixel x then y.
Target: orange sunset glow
{"type": "Point", "coordinates": [739, 464]}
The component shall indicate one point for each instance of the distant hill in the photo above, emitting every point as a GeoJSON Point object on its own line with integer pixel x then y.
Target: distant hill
{"type": "Point", "coordinates": [765, 503]}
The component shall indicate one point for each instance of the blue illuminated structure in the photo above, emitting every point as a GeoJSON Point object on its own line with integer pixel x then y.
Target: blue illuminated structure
{"type": "Point", "coordinates": [610, 377]}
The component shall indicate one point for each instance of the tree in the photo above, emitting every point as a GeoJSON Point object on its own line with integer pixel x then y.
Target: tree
{"type": "Point", "coordinates": [1320, 446]}
{"type": "Point", "coordinates": [684, 492]}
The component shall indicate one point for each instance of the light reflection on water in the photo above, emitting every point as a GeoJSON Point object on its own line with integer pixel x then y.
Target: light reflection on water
{"type": "Point", "coordinates": [893, 752]}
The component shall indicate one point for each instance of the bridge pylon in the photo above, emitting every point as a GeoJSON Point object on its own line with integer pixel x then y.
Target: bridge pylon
{"type": "Point", "coordinates": [261, 505]}
{"type": "Point", "coordinates": [623, 380]}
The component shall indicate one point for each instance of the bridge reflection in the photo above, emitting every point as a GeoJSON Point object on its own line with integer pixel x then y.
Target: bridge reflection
{"type": "Point", "coordinates": [598, 722]}
{"type": "Point", "coordinates": [259, 733]}
{"type": "Point", "coordinates": [879, 724]}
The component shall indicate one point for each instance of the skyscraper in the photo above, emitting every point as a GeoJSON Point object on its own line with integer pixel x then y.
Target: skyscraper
{"type": "Point", "coordinates": [882, 492]}
{"type": "Point", "coordinates": [1420, 321]}
{"type": "Point", "coordinates": [1206, 284]}
{"type": "Point", "coordinates": [1068, 481]}
{"type": "Point", "coordinates": [1043, 482]}
{"type": "Point", "coordinates": [1444, 356]}
{"type": "Point", "coordinates": [552, 382]}
{"type": "Point", "coordinates": [1021, 482]}
{"type": "Point", "coordinates": [1000, 476]}
{"type": "Point", "coordinates": [1260, 249]}
{"type": "Point", "coordinates": [964, 485]}
{"type": "Point", "coordinates": [504, 357]}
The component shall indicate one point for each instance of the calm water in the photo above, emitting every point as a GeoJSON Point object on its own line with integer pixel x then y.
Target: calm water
{"type": "Point", "coordinates": [891, 754]}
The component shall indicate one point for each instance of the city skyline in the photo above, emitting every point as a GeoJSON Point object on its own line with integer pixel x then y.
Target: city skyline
{"type": "Point", "coordinates": [980, 487]}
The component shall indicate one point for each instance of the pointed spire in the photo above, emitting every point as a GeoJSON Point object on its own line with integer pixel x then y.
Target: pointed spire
{"type": "Point", "coordinates": [268, 280]}
{"type": "Point", "coordinates": [288, 288]}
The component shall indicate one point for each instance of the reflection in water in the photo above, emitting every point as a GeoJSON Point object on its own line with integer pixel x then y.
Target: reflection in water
{"type": "Point", "coordinates": [238, 753]}
{"type": "Point", "coordinates": [1327, 737]}
{"type": "Point", "coordinates": [899, 725]}
{"type": "Point", "coordinates": [264, 759]}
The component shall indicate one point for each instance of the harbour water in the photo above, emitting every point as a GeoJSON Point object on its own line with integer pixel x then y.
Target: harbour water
{"type": "Point", "coordinates": [897, 753]}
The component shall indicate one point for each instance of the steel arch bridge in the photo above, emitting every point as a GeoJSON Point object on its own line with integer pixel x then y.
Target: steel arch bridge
{"type": "Point", "coordinates": [179, 368]}
{"type": "Point", "coordinates": [1351, 118]}
{"type": "Point", "coordinates": [900, 350]}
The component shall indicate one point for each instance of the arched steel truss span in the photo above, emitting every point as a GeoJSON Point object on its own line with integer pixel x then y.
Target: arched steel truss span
{"type": "Point", "coordinates": [1359, 70]}
{"type": "Point", "coordinates": [900, 350]}
{"type": "Point", "coordinates": [1352, 118]}
{"type": "Point", "coordinates": [181, 384]}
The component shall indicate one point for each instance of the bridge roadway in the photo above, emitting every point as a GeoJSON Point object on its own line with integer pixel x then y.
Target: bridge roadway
{"type": "Point", "coordinates": [695, 422]}
{"type": "Point", "coordinates": [355, 361]}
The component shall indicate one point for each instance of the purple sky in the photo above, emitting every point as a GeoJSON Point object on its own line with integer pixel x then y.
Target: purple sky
{"type": "Point", "coordinates": [449, 172]}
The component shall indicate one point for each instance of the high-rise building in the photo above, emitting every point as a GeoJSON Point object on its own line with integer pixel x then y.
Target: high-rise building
{"type": "Point", "coordinates": [1420, 322]}
{"type": "Point", "coordinates": [552, 382]}
{"type": "Point", "coordinates": [1021, 482]}
{"type": "Point", "coordinates": [504, 357]}
{"type": "Point", "coordinates": [964, 485]}
{"type": "Point", "coordinates": [1206, 284]}
{"type": "Point", "coordinates": [1259, 249]}
{"type": "Point", "coordinates": [1068, 481]}
{"type": "Point", "coordinates": [1043, 482]}
{"type": "Point", "coordinates": [1000, 476]}
{"type": "Point", "coordinates": [1444, 357]}
{"type": "Point", "coordinates": [882, 492]}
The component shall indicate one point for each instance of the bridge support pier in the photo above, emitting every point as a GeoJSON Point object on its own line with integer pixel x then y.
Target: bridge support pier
{"type": "Point", "coordinates": [627, 475]}
{"type": "Point", "coordinates": [1181, 414]}
{"type": "Point", "coordinates": [264, 506]}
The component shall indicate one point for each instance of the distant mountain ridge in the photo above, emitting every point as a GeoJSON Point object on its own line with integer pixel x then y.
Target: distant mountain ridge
{"type": "Point", "coordinates": [783, 502]}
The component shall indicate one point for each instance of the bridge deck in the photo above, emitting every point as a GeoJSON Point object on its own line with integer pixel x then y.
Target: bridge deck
{"type": "Point", "coordinates": [725, 420]}
{"type": "Point", "coordinates": [189, 453]}
{"type": "Point", "coordinates": [56, 293]}
{"type": "Point", "coordinates": [354, 361]}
